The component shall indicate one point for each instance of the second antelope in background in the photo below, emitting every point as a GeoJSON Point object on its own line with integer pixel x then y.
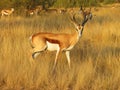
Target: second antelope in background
{"type": "Point", "coordinates": [7, 12]}
{"type": "Point", "coordinates": [57, 42]}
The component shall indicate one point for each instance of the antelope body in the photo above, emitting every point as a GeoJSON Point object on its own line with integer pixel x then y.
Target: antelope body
{"type": "Point", "coordinates": [55, 42]}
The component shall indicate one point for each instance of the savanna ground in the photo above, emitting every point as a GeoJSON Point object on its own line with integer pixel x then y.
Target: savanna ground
{"type": "Point", "coordinates": [95, 60]}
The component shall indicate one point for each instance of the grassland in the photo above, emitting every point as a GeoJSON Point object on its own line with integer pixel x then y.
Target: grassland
{"type": "Point", "coordinates": [95, 59]}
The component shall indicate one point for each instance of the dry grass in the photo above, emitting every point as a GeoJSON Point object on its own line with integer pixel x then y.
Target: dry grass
{"type": "Point", "coordinates": [95, 59]}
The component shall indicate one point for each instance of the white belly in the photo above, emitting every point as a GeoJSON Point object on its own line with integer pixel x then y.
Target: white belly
{"type": "Point", "coordinates": [52, 46]}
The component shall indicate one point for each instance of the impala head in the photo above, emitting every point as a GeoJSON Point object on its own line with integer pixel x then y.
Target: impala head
{"type": "Point", "coordinates": [12, 9]}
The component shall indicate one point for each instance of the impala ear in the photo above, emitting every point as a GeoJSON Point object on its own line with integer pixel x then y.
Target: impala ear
{"type": "Point", "coordinates": [90, 14]}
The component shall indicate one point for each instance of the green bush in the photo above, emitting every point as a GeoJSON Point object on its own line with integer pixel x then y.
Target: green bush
{"type": "Point", "coordinates": [74, 3]}
{"type": "Point", "coordinates": [109, 1]}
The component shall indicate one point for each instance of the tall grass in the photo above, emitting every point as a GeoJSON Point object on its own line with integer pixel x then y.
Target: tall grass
{"type": "Point", "coordinates": [95, 59]}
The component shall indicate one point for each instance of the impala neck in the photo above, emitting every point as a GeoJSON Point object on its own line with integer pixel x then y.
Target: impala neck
{"type": "Point", "coordinates": [79, 32]}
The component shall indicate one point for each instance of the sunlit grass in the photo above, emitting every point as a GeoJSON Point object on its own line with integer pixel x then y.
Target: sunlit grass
{"type": "Point", "coordinates": [95, 59]}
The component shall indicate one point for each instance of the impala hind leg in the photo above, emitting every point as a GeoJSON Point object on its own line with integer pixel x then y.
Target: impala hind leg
{"type": "Point", "coordinates": [37, 51]}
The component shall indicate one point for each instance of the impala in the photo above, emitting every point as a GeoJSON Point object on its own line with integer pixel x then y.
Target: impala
{"type": "Point", "coordinates": [62, 11]}
{"type": "Point", "coordinates": [70, 10]}
{"type": "Point", "coordinates": [57, 42]}
{"type": "Point", "coordinates": [32, 12]}
{"type": "Point", "coordinates": [7, 12]}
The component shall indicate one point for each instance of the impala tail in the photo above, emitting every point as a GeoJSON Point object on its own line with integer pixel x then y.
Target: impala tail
{"type": "Point", "coordinates": [30, 40]}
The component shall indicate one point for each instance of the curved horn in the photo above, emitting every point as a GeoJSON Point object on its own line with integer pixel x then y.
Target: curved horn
{"type": "Point", "coordinates": [74, 20]}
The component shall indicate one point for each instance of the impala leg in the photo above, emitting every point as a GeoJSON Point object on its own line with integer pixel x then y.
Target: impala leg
{"type": "Point", "coordinates": [56, 58]}
{"type": "Point", "coordinates": [38, 51]}
{"type": "Point", "coordinates": [68, 57]}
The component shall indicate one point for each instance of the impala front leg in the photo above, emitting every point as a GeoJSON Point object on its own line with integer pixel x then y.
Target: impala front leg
{"type": "Point", "coordinates": [68, 57]}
